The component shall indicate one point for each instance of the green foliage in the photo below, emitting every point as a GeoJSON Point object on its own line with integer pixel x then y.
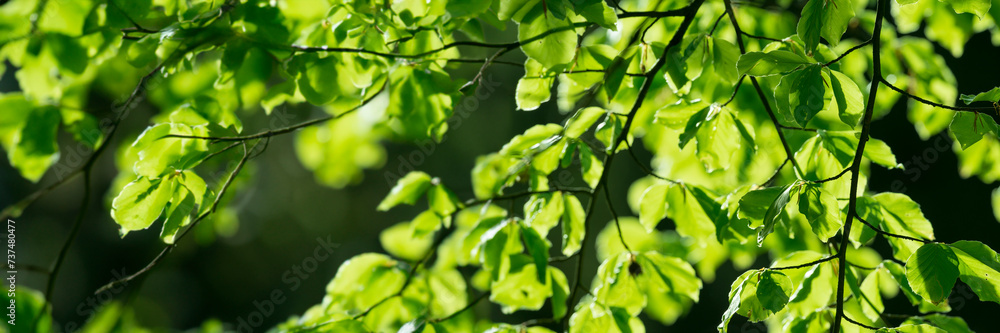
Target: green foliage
{"type": "Point", "coordinates": [733, 177]}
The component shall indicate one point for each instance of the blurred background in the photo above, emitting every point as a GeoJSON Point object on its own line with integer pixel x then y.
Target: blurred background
{"type": "Point", "coordinates": [282, 212]}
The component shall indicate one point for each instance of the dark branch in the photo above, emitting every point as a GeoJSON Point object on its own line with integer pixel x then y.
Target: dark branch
{"type": "Point", "coordinates": [808, 264]}
{"type": "Point", "coordinates": [856, 165]}
{"type": "Point", "coordinates": [937, 105]}
{"type": "Point", "coordinates": [886, 233]}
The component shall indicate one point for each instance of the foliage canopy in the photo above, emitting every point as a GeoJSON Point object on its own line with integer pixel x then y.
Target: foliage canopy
{"type": "Point", "coordinates": [758, 119]}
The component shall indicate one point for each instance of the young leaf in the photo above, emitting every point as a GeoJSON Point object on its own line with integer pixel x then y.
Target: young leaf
{"type": "Point", "coordinates": [582, 121]}
{"type": "Point", "coordinates": [409, 188]}
{"type": "Point", "coordinates": [538, 247]}
{"type": "Point", "coordinates": [653, 206]}
{"type": "Point", "coordinates": [770, 63]}
{"type": "Point", "coordinates": [773, 290]}
{"type": "Point", "coordinates": [535, 87]}
{"type": "Point", "coordinates": [850, 101]}
{"type": "Point", "coordinates": [553, 49]}
{"type": "Point", "coordinates": [969, 127]}
{"type": "Point", "coordinates": [806, 98]}
{"type": "Point", "coordinates": [822, 211]}
{"type": "Point", "coordinates": [141, 202]}
{"type": "Point", "coordinates": [35, 147]}
{"type": "Point", "coordinates": [771, 215]}
{"type": "Point", "coordinates": [824, 18]}
{"type": "Point", "coordinates": [572, 225]}
{"type": "Point", "coordinates": [992, 95]}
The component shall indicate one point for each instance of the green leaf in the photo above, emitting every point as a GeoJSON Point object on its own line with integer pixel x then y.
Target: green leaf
{"type": "Point", "coordinates": [425, 223]}
{"type": "Point", "coordinates": [538, 247]}
{"type": "Point", "coordinates": [555, 48]}
{"type": "Point", "coordinates": [407, 190]}
{"type": "Point", "coordinates": [591, 166]}
{"type": "Point", "coordinates": [141, 202]}
{"type": "Point", "coordinates": [83, 126]}
{"type": "Point", "coordinates": [398, 241]}
{"type": "Point", "coordinates": [599, 12]}
{"type": "Point", "coordinates": [535, 87]}
{"type": "Point", "coordinates": [932, 271]}
{"type": "Point", "coordinates": [979, 267]}
{"type": "Point", "coordinates": [573, 225]}
{"type": "Point", "coordinates": [533, 139]}
{"type": "Point", "coordinates": [317, 79]}
{"type": "Point", "coordinates": [521, 290]}
{"type": "Point", "coordinates": [806, 97]}
{"type": "Point", "coordinates": [653, 206]}
{"type": "Point", "coordinates": [771, 215]}
{"type": "Point", "coordinates": [34, 146]}
{"type": "Point", "coordinates": [542, 212]}
{"type": "Point", "coordinates": [770, 63]}
{"type": "Point", "coordinates": [582, 121]}
{"type": "Point", "coordinates": [757, 295]}
{"type": "Point", "coordinates": [442, 200]}
{"type": "Point", "coordinates": [969, 127]}
{"type": "Point", "coordinates": [724, 58]}
{"type": "Point", "coordinates": [773, 290]}
{"type": "Point", "coordinates": [947, 323]}
{"type": "Point", "coordinates": [821, 210]}
{"type": "Point", "coordinates": [921, 328]}
{"type": "Point", "coordinates": [977, 7]}
{"type": "Point", "coordinates": [420, 102]}
{"type": "Point", "coordinates": [992, 95]}
{"type": "Point", "coordinates": [366, 269]}
{"type": "Point", "coordinates": [672, 275]}
{"type": "Point", "coordinates": [850, 100]}
{"type": "Point", "coordinates": [824, 18]}
{"type": "Point", "coordinates": [159, 155]}
{"type": "Point", "coordinates": [718, 139]}
{"type": "Point", "coordinates": [608, 131]}
{"type": "Point", "coordinates": [902, 216]}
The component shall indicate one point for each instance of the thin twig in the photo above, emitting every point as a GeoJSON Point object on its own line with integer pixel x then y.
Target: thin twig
{"type": "Point", "coordinates": [760, 92]}
{"type": "Point", "coordinates": [842, 55]}
{"type": "Point", "coordinates": [855, 322]}
{"type": "Point", "coordinates": [937, 105]}
{"type": "Point", "coordinates": [835, 177]}
{"type": "Point", "coordinates": [808, 264]}
{"type": "Point", "coordinates": [644, 167]}
{"type": "Point", "coordinates": [215, 204]}
{"type": "Point", "coordinates": [463, 309]}
{"type": "Point", "coordinates": [611, 208]}
{"type": "Point", "coordinates": [886, 233]}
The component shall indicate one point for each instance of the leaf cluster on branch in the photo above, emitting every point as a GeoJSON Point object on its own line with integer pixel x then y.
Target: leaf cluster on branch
{"type": "Point", "coordinates": [776, 167]}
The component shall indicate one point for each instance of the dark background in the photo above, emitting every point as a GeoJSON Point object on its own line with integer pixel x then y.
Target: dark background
{"type": "Point", "coordinates": [283, 211]}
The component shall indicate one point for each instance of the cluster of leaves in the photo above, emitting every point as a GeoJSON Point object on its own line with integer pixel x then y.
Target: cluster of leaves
{"type": "Point", "coordinates": [666, 75]}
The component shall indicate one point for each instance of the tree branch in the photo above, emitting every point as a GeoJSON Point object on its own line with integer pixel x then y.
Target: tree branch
{"type": "Point", "coordinates": [856, 165]}
{"type": "Point", "coordinates": [156, 260]}
{"type": "Point", "coordinates": [808, 264]}
{"type": "Point", "coordinates": [937, 105]}
{"type": "Point", "coordinates": [886, 233]}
